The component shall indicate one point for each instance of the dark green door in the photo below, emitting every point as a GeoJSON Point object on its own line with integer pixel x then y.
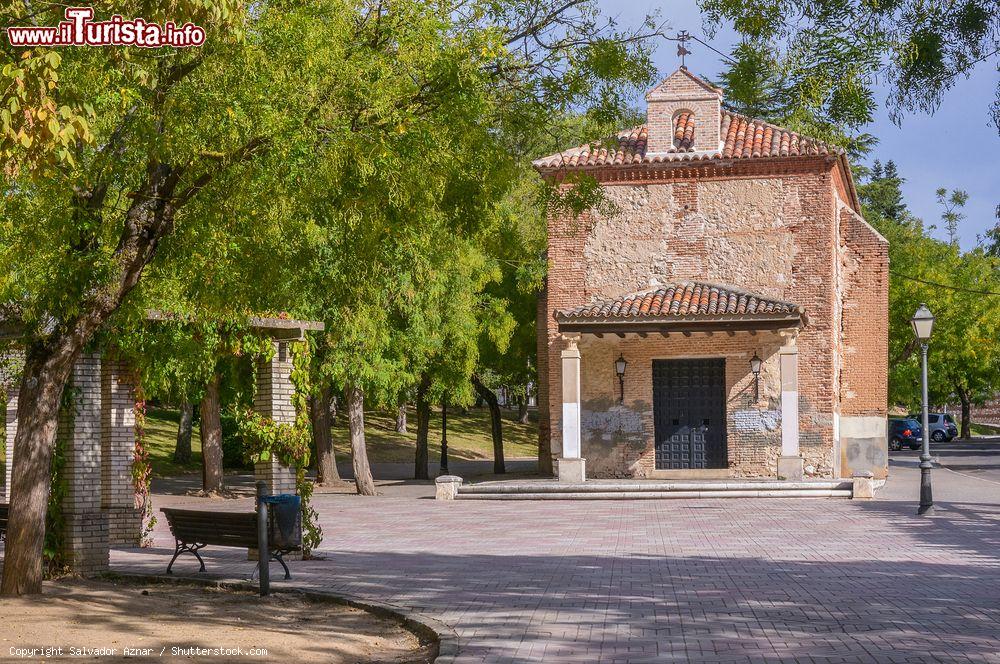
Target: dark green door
{"type": "Point", "coordinates": [689, 412]}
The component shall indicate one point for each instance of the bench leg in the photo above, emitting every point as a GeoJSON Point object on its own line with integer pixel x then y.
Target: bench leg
{"type": "Point", "coordinates": [183, 547]}
{"type": "Point", "coordinates": [277, 556]}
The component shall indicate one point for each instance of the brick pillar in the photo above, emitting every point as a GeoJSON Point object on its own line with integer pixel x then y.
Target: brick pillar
{"type": "Point", "coordinates": [10, 430]}
{"type": "Point", "coordinates": [790, 464]}
{"type": "Point", "coordinates": [117, 453]}
{"type": "Point", "coordinates": [572, 468]}
{"type": "Point", "coordinates": [86, 544]}
{"type": "Point", "coordinates": [273, 399]}
{"type": "Point", "coordinates": [8, 362]}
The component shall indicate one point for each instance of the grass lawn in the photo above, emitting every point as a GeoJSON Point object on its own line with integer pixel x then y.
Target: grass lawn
{"type": "Point", "coordinates": [984, 430]}
{"type": "Point", "coordinates": [161, 438]}
{"type": "Point", "coordinates": [468, 438]}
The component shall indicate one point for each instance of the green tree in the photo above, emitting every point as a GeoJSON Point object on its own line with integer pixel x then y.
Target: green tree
{"type": "Point", "coordinates": [882, 193]}
{"type": "Point", "coordinates": [964, 350]}
{"type": "Point", "coordinates": [762, 82]}
{"type": "Point", "coordinates": [950, 215]}
{"type": "Point", "coordinates": [840, 49]}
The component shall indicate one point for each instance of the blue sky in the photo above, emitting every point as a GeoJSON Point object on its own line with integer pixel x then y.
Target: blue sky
{"type": "Point", "coordinates": [954, 148]}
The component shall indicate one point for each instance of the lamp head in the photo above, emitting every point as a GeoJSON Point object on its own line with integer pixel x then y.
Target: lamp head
{"type": "Point", "coordinates": [755, 363]}
{"type": "Point", "coordinates": [620, 365]}
{"type": "Point", "coordinates": [923, 323]}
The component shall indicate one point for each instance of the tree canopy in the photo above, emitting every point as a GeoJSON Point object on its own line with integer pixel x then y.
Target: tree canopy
{"type": "Point", "coordinates": [835, 52]}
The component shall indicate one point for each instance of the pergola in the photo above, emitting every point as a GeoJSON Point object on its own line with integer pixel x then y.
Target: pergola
{"type": "Point", "coordinates": [98, 430]}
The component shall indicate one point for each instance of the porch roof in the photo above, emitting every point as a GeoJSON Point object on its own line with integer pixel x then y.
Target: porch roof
{"type": "Point", "coordinates": [684, 307]}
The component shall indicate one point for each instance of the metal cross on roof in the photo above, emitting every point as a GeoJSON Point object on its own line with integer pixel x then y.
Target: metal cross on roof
{"type": "Point", "coordinates": [682, 39]}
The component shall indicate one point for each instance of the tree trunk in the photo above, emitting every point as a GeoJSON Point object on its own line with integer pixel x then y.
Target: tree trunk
{"type": "Point", "coordinates": [50, 359]}
{"type": "Point", "coordinates": [522, 411]}
{"type": "Point", "coordinates": [444, 437]}
{"type": "Point", "coordinates": [211, 438]}
{"type": "Point", "coordinates": [46, 372]}
{"type": "Point", "coordinates": [420, 463]}
{"type": "Point", "coordinates": [966, 414]}
{"type": "Point", "coordinates": [355, 398]}
{"type": "Point", "coordinates": [496, 423]}
{"type": "Point", "coordinates": [182, 451]}
{"type": "Point", "coordinates": [401, 419]}
{"type": "Point", "coordinates": [326, 461]}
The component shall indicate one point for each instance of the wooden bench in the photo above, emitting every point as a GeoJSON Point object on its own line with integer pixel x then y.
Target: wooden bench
{"type": "Point", "coordinates": [195, 529]}
{"type": "Point", "coordinates": [4, 511]}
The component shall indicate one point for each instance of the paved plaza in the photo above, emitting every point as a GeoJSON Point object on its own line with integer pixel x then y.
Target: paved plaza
{"type": "Point", "coordinates": [803, 580]}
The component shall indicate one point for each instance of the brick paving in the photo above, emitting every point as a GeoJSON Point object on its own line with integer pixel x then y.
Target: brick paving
{"type": "Point", "coordinates": [797, 580]}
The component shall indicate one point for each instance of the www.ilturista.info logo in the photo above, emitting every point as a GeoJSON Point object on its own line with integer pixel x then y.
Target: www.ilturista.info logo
{"type": "Point", "coordinates": [79, 29]}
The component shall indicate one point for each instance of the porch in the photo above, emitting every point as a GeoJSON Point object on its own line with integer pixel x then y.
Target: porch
{"type": "Point", "coordinates": [687, 381]}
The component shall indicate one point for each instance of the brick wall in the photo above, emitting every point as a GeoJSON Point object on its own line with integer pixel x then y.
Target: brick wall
{"type": "Point", "coordinates": [618, 438]}
{"type": "Point", "coordinates": [545, 459]}
{"type": "Point", "coordinates": [767, 226]}
{"type": "Point", "coordinates": [862, 349]}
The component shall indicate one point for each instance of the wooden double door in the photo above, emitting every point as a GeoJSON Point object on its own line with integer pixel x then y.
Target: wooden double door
{"type": "Point", "coordinates": [689, 411]}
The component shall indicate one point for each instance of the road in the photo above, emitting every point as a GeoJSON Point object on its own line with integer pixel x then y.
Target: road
{"type": "Point", "coordinates": [976, 457]}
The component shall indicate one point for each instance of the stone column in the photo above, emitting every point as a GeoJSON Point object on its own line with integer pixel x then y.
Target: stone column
{"type": "Point", "coordinates": [85, 535]}
{"type": "Point", "coordinates": [118, 452]}
{"type": "Point", "coordinates": [572, 468]}
{"type": "Point", "coordinates": [274, 400]}
{"type": "Point", "coordinates": [790, 462]}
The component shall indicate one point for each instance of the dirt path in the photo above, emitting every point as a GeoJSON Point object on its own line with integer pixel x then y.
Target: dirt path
{"type": "Point", "coordinates": [106, 621]}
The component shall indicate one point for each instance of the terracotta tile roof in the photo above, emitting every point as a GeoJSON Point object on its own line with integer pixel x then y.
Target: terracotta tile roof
{"type": "Point", "coordinates": [684, 131]}
{"type": "Point", "coordinates": [741, 138]}
{"type": "Point", "coordinates": [684, 300]}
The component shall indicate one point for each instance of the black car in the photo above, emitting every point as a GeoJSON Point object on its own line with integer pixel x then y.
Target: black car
{"type": "Point", "coordinates": [905, 431]}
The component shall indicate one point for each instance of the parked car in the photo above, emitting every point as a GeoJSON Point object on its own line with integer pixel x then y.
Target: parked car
{"type": "Point", "coordinates": [905, 431]}
{"type": "Point", "coordinates": [941, 426]}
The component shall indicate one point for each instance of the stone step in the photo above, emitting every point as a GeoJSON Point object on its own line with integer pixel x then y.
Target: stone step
{"type": "Point", "coordinates": [647, 486]}
{"type": "Point", "coordinates": [465, 494]}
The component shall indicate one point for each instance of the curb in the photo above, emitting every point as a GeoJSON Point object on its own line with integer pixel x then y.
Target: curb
{"type": "Point", "coordinates": [424, 626]}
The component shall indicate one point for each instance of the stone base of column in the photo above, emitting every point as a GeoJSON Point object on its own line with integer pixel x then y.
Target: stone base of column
{"type": "Point", "coordinates": [85, 542]}
{"type": "Point", "coordinates": [446, 487]}
{"type": "Point", "coordinates": [572, 470]}
{"type": "Point", "coordinates": [279, 477]}
{"type": "Point", "coordinates": [124, 526]}
{"type": "Point", "coordinates": [791, 468]}
{"type": "Point", "coordinates": [864, 486]}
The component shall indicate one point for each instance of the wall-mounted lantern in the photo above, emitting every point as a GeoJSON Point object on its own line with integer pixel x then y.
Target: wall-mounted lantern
{"type": "Point", "coordinates": [755, 363]}
{"type": "Point", "coordinates": [620, 365]}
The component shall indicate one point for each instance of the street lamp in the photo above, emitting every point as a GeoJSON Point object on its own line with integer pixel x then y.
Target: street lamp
{"type": "Point", "coordinates": [620, 365]}
{"type": "Point", "coordinates": [923, 323]}
{"type": "Point", "coordinates": [755, 363]}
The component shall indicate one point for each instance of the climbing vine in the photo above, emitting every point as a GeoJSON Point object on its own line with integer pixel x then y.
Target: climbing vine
{"type": "Point", "coordinates": [53, 548]}
{"type": "Point", "coordinates": [264, 439]}
{"type": "Point", "coordinates": [142, 473]}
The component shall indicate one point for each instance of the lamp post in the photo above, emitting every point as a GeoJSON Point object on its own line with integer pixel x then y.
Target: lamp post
{"type": "Point", "coordinates": [620, 365]}
{"type": "Point", "coordinates": [923, 323]}
{"type": "Point", "coordinates": [755, 363]}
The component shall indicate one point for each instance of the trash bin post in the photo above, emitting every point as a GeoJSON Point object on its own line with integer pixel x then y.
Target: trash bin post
{"type": "Point", "coordinates": [263, 552]}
